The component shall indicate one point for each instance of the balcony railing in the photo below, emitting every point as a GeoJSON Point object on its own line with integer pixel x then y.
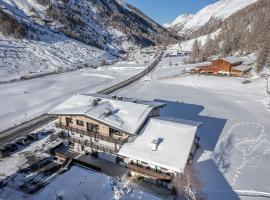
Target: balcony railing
{"type": "Point", "coordinates": [88, 143]}
{"type": "Point", "coordinates": [148, 172]}
{"type": "Point", "coordinates": [91, 134]}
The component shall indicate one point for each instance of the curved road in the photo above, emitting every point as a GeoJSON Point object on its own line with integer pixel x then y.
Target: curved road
{"type": "Point", "coordinates": [11, 134]}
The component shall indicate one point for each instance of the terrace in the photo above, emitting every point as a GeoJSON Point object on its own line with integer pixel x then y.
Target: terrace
{"type": "Point", "coordinates": [148, 172]}
{"type": "Point", "coordinates": [95, 135]}
{"type": "Point", "coordinates": [99, 147]}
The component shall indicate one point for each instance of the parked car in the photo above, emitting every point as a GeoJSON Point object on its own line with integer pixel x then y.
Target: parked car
{"type": "Point", "coordinates": [35, 135]}
{"type": "Point", "coordinates": [246, 81]}
{"type": "Point", "coordinates": [32, 137]}
{"type": "Point", "coordinates": [46, 132]}
{"type": "Point", "coordinates": [50, 131]}
{"type": "Point", "coordinates": [3, 153]}
{"type": "Point", "coordinates": [23, 141]}
{"type": "Point", "coordinates": [11, 147]}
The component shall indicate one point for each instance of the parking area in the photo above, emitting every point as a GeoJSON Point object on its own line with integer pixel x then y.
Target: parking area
{"type": "Point", "coordinates": [22, 142]}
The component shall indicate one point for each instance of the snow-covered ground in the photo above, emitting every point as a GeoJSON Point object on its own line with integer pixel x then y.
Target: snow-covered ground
{"type": "Point", "coordinates": [234, 158]}
{"type": "Point", "coordinates": [24, 100]}
{"type": "Point", "coordinates": [172, 66]}
{"type": "Point", "coordinates": [80, 183]}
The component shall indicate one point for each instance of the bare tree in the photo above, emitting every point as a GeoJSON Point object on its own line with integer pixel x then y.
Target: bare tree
{"type": "Point", "coordinates": [188, 185]}
{"type": "Point", "coordinates": [262, 59]}
{"type": "Point", "coordinates": [195, 53]}
{"type": "Point", "coordinates": [210, 49]}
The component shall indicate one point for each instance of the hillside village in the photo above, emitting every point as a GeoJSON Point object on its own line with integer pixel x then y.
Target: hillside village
{"type": "Point", "coordinates": [99, 101]}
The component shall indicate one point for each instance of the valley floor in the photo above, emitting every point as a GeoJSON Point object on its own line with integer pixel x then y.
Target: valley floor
{"type": "Point", "coordinates": [234, 157]}
{"type": "Point", "coordinates": [235, 137]}
{"type": "Point", "coordinates": [24, 100]}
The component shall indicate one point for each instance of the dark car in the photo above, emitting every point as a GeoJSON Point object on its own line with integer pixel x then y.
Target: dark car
{"type": "Point", "coordinates": [22, 141]}
{"type": "Point", "coordinates": [32, 137]}
{"type": "Point", "coordinates": [46, 132]}
{"type": "Point", "coordinates": [11, 147]}
{"type": "Point", "coordinates": [3, 153]}
{"type": "Point", "coordinates": [246, 81]}
{"type": "Point", "coordinates": [50, 131]}
{"type": "Point", "coordinates": [35, 135]}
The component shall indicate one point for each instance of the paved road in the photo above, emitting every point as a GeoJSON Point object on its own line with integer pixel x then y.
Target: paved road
{"type": "Point", "coordinates": [25, 128]}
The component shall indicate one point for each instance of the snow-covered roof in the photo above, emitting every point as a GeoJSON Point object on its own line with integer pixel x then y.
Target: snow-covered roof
{"type": "Point", "coordinates": [124, 115]}
{"type": "Point", "coordinates": [155, 104]}
{"type": "Point", "coordinates": [175, 138]}
{"type": "Point", "coordinates": [233, 59]}
{"type": "Point", "coordinates": [243, 68]}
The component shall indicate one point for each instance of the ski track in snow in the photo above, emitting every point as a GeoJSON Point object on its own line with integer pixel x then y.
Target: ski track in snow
{"type": "Point", "coordinates": [248, 146]}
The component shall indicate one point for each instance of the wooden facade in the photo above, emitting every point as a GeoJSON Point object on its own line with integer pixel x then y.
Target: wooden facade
{"type": "Point", "coordinates": [221, 66]}
{"type": "Point", "coordinates": [88, 135]}
{"type": "Point", "coordinates": [101, 128]}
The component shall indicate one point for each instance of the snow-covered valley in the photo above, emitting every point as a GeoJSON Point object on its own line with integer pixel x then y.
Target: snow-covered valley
{"type": "Point", "coordinates": [211, 74]}
{"type": "Point", "coordinates": [235, 137]}
{"type": "Point", "coordinates": [25, 100]}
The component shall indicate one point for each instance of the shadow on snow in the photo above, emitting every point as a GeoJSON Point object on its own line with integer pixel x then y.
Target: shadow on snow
{"type": "Point", "coordinates": [211, 129]}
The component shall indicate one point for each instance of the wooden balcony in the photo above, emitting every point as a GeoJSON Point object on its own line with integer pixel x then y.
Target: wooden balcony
{"type": "Point", "coordinates": [88, 143]}
{"type": "Point", "coordinates": [148, 172]}
{"type": "Point", "coordinates": [91, 134]}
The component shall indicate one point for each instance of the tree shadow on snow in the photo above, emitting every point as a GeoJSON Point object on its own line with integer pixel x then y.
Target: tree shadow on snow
{"type": "Point", "coordinates": [214, 183]}
{"type": "Point", "coordinates": [211, 129]}
{"type": "Point", "coordinates": [223, 153]}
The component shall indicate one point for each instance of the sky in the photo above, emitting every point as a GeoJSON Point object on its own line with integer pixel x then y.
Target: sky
{"type": "Point", "coordinates": [163, 11]}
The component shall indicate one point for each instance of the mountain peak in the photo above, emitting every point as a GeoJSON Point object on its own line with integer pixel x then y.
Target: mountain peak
{"type": "Point", "coordinates": [216, 11]}
{"type": "Point", "coordinates": [182, 19]}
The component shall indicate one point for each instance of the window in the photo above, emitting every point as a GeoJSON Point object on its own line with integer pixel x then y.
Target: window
{"type": "Point", "coordinates": [79, 123]}
{"type": "Point", "coordinates": [68, 121]}
{"type": "Point", "coordinates": [92, 127]}
{"type": "Point", "coordinates": [115, 132]}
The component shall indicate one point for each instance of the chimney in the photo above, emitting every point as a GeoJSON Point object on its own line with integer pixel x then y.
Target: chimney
{"type": "Point", "coordinates": [108, 112]}
{"type": "Point", "coordinates": [95, 102]}
{"type": "Point", "coordinates": [154, 145]}
{"type": "Point", "coordinates": [119, 98]}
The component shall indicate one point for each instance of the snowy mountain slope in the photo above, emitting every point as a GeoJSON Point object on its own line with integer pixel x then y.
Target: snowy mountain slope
{"type": "Point", "coordinates": [48, 35]}
{"type": "Point", "coordinates": [179, 21]}
{"type": "Point", "coordinates": [19, 57]}
{"type": "Point", "coordinates": [107, 24]}
{"type": "Point", "coordinates": [211, 14]}
{"type": "Point", "coordinates": [187, 44]}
